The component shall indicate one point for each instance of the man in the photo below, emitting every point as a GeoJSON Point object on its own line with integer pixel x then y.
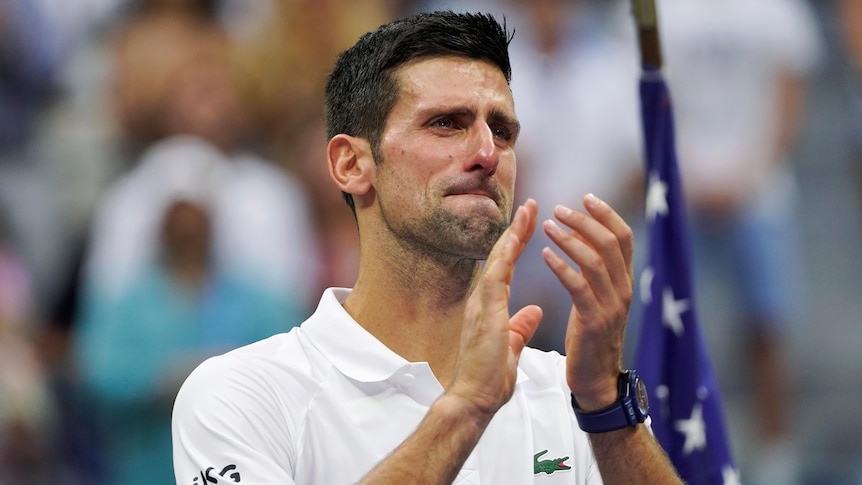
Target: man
{"type": "Point", "coordinates": [419, 374]}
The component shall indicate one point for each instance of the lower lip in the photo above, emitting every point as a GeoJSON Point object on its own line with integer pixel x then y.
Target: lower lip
{"type": "Point", "coordinates": [481, 197]}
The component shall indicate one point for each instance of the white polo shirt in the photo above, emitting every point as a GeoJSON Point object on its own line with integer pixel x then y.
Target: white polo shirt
{"type": "Point", "coordinates": [324, 403]}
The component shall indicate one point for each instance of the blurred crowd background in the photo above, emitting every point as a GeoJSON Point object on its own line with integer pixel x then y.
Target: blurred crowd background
{"type": "Point", "coordinates": [164, 197]}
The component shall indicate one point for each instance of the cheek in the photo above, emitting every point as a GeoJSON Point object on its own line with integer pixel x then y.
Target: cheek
{"type": "Point", "coordinates": [507, 172]}
{"type": "Point", "coordinates": [399, 182]}
{"type": "Point", "coordinates": [411, 166]}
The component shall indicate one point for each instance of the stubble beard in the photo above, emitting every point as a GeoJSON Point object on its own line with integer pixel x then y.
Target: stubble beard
{"type": "Point", "coordinates": [469, 236]}
{"type": "Point", "coordinates": [442, 234]}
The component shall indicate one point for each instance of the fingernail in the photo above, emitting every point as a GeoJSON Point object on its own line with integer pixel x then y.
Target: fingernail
{"type": "Point", "coordinates": [562, 211]}
{"type": "Point", "coordinates": [552, 226]}
{"type": "Point", "coordinates": [592, 201]}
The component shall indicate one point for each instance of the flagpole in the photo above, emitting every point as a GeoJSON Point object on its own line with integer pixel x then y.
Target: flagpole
{"type": "Point", "coordinates": [646, 18]}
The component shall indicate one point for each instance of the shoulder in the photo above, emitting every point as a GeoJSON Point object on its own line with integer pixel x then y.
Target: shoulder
{"type": "Point", "coordinates": [255, 394]}
{"type": "Point", "coordinates": [256, 373]}
{"type": "Point", "coordinates": [247, 407]}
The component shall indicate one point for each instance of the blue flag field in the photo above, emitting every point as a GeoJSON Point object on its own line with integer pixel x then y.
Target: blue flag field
{"type": "Point", "coordinates": [671, 355]}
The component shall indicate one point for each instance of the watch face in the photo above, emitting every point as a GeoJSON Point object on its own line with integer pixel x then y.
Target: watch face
{"type": "Point", "coordinates": [642, 397]}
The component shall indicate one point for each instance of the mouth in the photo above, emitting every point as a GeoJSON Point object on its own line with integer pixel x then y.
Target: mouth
{"type": "Point", "coordinates": [478, 193]}
{"type": "Point", "coordinates": [472, 188]}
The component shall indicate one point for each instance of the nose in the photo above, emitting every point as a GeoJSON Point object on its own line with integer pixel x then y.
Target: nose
{"type": "Point", "coordinates": [485, 152]}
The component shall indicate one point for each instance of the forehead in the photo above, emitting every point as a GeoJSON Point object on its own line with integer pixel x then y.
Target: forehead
{"type": "Point", "coordinates": [453, 80]}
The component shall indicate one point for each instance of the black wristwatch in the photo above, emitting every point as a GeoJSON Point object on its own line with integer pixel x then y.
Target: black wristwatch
{"type": "Point", "coordinates": [630, 409]}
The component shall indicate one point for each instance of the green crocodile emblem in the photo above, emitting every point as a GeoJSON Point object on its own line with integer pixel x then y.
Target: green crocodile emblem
{"type": "Point", "coordinates": [549, 466]}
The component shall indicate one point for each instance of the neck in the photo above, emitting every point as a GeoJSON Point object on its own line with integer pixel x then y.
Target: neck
{"type": "Point", "coordinates": [414, 304]}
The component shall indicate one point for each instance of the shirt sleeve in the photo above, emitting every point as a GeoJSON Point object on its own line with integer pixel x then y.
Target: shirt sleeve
{"type": "Point", "coordinates": [227, 427]}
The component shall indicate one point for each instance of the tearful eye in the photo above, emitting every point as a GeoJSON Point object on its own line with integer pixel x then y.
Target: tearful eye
{"type": "Point", "coordinates": [443, 123]}
{"type": "Point", "coordinates": [502, 132]}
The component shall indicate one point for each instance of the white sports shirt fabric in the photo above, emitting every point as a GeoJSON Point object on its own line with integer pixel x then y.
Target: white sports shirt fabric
{"type": "Point", "coordinates": [327, 401]}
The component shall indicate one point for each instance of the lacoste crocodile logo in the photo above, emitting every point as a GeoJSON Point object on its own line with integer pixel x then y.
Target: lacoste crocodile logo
{"type": "Point", "coordinates": [549, 466]}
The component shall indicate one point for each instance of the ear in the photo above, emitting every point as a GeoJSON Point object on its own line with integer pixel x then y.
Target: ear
{"type": "Point", "coordinates": [351, 164]}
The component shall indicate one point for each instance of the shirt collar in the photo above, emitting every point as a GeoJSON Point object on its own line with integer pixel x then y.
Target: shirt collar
{"type": "Point", "coordinates": [350, 348]}
{"type": "Point", "coordinates": [354, 351]}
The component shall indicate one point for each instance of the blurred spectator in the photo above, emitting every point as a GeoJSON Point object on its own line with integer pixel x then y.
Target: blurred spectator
{"type": "Point", "coordinates": [286, 62]}
{"type": "Point", "coordinates": [26, 407]}
{"type": "Point", "coordinates": [38, 39]}
{"type": "Point", "coordinates": [185, 86]}
{"type": "Point", "coordinates": [153, 53]}
{"type": "Point", "coordinates": [201, 247]}
{"type": "Point", "coordinates": [137, 349]}
{"type": "Point", "coordinates": [737, 70]}
{"type": "Point", "coordinates": [30, 59]}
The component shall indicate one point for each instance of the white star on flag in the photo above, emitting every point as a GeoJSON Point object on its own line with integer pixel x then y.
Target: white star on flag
{"type": "Point", "coordinates": [656, 197]}
{"type": "Point", "coordinates": [694, 430]}
{"type": "Point", "coordinates": [730, 476]}
{"type": "Point", "coordinates": [646, 285]}
{"type": "Point", "coordinates": [672, 311]}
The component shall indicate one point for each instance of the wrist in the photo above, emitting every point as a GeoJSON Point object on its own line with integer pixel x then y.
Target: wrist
{"type": "Point", "coordinates": [594, 402]}
{"type": "Point", "coordinates": [460, 411]}
{"type": "Point", "coordinates": [598, 396]}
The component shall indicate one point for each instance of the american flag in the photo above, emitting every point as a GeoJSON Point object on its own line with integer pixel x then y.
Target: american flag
{"type": "Point", "coordinates": [671, 355]}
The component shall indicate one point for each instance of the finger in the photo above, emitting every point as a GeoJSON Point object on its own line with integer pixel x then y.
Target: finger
{"type": "Point", "coordinates": [580, 289]}
{"type": "Point", "coordinates": [609, 218]}
{"type": "Point", "coordinates": [607, 255]}
{"type": "Point", "coordinates": [593, 282]}
{"type": "Point", "coordinates": [522, 227]}
{"type": "Point", "coordinates": [524, 224]}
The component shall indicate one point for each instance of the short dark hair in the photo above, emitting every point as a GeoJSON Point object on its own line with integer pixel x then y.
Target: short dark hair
{"type": "Point", "coordinates": [362, 89]}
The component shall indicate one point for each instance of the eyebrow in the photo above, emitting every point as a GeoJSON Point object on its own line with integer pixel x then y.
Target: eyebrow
{"type": "Point", "coordinates": [500, 116]}
{"type": "Point", "coordinates": [496, 115]}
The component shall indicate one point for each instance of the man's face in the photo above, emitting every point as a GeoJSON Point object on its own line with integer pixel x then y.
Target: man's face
{"type": "Point", "coordinates": [447, 173]}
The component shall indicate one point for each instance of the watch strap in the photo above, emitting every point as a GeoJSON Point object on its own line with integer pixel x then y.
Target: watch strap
{"type": "Point", "coordinates": [619, 414]}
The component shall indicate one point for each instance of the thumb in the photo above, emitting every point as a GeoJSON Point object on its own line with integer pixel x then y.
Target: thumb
{"type": "Point", "coordinates": [522, 326]}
